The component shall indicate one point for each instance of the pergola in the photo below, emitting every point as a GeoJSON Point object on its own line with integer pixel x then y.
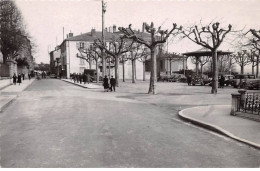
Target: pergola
{"type": "Point", "coordinates": [171, 57]}
{"type": "Point", "coordinates": [204, 53]}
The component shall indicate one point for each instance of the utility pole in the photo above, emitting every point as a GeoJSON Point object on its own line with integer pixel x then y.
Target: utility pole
{"type": "Point", "coordinates": [103, 40]}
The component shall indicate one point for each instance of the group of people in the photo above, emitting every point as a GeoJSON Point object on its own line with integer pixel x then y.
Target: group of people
{"type": "Point", "coordinates": [112, 86]}
{"type": "Point", "coordinates": [79, 78]}
{"type": "Point", "coordinates": [18, 79]}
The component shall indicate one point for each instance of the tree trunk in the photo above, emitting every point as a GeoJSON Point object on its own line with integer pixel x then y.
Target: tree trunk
{"type": "Point", "coordinates": [103, 64]}
{"type": "Point", "coordinates": [97, 70]}
{"type": "Point", "coordinates": [153, 73]}
{"type": "Point", "coordinates": [257, 67]}
{"type": "Point", "coordinates": [214, 89]}
{"type": "Point", "coordinates": [143, 71]}
{"type": "Point", "coordinates": [253, 68]}
{"type": "Point", "coordinates": [90, 64]}
{"type": "Point", "coordinates": [230, 64]}
{"type": "Point", "coordinates": [201, 69]}
{"type": "Point", "coordinates": [123, 66]}
{"type": "Point", "coordinates": [170, 67]}
{"type": "Point", "coordinates": [116, 70]}
{"type": "Point", "coordinates": [242, 69]}
{"type": "Point", "coordinates": [197, 66]}
{"type": "Point", "coordinates": [109, 68]}
{"type": "Point", "coordinates": [133, 71]}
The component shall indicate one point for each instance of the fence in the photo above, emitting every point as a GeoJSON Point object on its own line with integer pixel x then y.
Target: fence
{"type": "Point", "coordinates": [246, 104]}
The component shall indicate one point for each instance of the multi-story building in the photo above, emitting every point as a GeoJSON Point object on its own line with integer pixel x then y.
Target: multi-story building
{"type": "Point", "coordinates": [71, 63]}
{"type": "Point", "coordinates": [55, 66]}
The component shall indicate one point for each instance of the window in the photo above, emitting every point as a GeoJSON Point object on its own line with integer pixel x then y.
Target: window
{"type": "Point", "coordinates": [81, 45]}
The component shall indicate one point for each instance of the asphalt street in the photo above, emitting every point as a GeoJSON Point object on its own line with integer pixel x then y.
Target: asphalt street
{"type": "Point", "coordinates": [57, 124]}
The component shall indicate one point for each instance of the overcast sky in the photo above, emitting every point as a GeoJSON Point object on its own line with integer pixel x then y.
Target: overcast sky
{"type": "Point", "coordinates": [45, 19]}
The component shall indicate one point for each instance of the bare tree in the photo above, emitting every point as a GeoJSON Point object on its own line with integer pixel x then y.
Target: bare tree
{"type": "Point", "coordinates": [203, 60]}
{"type": "Point", "coordinates": [201, 37]}
{"type": "Point", "coordinates": [90, 54]}
{"type": "Point", "coordinates": [123, 59]}
{"type": "Point", "coordinates": [137, 51]}
{"type": "Point", "coordinates": [242, 59]}
{"type": "Point", "coordinates": [152, 44]}
{"type": "Point", "coordinates": [117, 47]}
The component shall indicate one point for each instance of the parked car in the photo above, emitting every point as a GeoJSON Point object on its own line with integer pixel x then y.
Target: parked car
{"type": "Point", "coordinates": [253, 84]}
{"type": "Point", "coordinates": [229, 79]}
{"type": "Point", "coordinates": [242, 80]}
{"type": "Point", "coordinates": [197, 79]}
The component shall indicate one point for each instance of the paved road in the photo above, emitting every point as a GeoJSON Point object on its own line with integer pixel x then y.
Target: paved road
{"type": "Point", "coordinates": [56, 124]}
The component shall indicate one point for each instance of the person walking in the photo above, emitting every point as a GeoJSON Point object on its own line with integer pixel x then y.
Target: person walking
{"type": "Point", "coordinates": [105, 83]}
{"type": "Point", "coordinates": [189, 80]}
{"type": "Point", "coordinates": [29, 76]}
{"type": "Point", "coordinates": [112, 83]}
{"type": "Point", "coordinates": [222, 81]}
{"type": "Point", "coordinates": [14, 79]}
{"type": "Point", "coordinates": [23, 75]}
{"type": "Point", "coordinates": [19, 80]}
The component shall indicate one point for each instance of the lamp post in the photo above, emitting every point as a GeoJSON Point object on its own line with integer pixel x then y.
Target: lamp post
{"type": "Point", "coordinates": [103, 40]}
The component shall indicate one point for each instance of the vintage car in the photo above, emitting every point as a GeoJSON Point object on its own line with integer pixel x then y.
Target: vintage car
{"type": "Point", "coordinates": [197, 80]}
{"type": "Point", "coordinates": [229, 79]}
{"type": "Point", "coordinates": [242, 80]}
{"type": "Point", "coordinates": [253, 84]}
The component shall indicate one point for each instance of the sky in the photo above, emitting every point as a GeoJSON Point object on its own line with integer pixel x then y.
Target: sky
{"type": "Point", "coordinates": [45, 19]}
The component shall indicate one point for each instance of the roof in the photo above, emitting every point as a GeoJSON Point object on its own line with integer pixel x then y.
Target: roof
{"type": "Point", "coordinates": [206, 52]}
{"type": "Point", "coordinates": [108, 36]}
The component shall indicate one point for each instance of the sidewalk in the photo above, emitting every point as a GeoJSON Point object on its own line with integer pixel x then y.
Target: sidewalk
{"type": "Point", "coordinates": [218, 118]}
{"type": "Point", "coordinates": [4, 83]}
{"type": "Point", "coordinates": [9, 93]}
{"type": "Point", "coordinates": [90, 86]}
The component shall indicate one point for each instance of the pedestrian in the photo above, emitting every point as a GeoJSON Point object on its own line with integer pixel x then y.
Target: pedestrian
{"type": "Point", "coordinates": [105, 83]}
{"type": "Point", "coordinates": [23, 75]}
{"type": "Point", "coordinates": [222, 81]}
{"type": "Point", "coordinates": [112, 83]}
{"type": "Point", "coordinates": [74, 77]}
{"type": "Point", "coordinates": [189, 80]}
{"type": "Point", "coordinates": [14, 79]}
{"type": "Point", "coordinates": [84, 78]}
{"type": "Point", "coordinates": [80, 78]}
{"type": "Point", "coordinates": [19, 80]}
{"type": "Point", "coordinates": [29, 76]}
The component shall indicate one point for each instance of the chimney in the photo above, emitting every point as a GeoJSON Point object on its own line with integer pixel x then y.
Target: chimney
{"type": "Point", "coordinates": [93, 32]}
{"type": "Point", "coordinates": [143, 28]}
{"type": "Point", "coordinates": [70, 34]}
{"type": "Point", "coordinates": [114, 28]}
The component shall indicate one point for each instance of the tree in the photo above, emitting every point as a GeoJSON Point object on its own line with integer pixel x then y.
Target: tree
{"type": "Point", "coordinates": [152, 44]}
{"type": "Point", "coordinates": [117, 47]}
{"type": "Point", "coordinates": [12, 32]}
{"type": "Point", "coordinates": [242, 59]}
{"type": "Point", "coordinates": [203, 60]}
{"type": "Point", "coordinates": [215, 34]}
{"type": "Point", "coordinates": [91, 53]}
{"type": "Point", "coordinates": [123, 59]}
{"type": "Point", "coordinates": [138, 51]}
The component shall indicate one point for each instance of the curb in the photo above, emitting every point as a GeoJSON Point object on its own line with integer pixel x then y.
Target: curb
{"type": "Point", "coordinates": [13, 99]}
{"type": "Point", "coordinates": [215, 128]}
{"type": "Point", "coordinates": [78, 84]}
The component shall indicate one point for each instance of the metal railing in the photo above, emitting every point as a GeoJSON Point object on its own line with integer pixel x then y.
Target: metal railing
{"type": "Point", "coordinates": [250, 103]}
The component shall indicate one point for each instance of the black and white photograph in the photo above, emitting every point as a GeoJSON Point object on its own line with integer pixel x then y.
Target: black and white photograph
{"type": "Point", "coordinates": [129, 84]}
